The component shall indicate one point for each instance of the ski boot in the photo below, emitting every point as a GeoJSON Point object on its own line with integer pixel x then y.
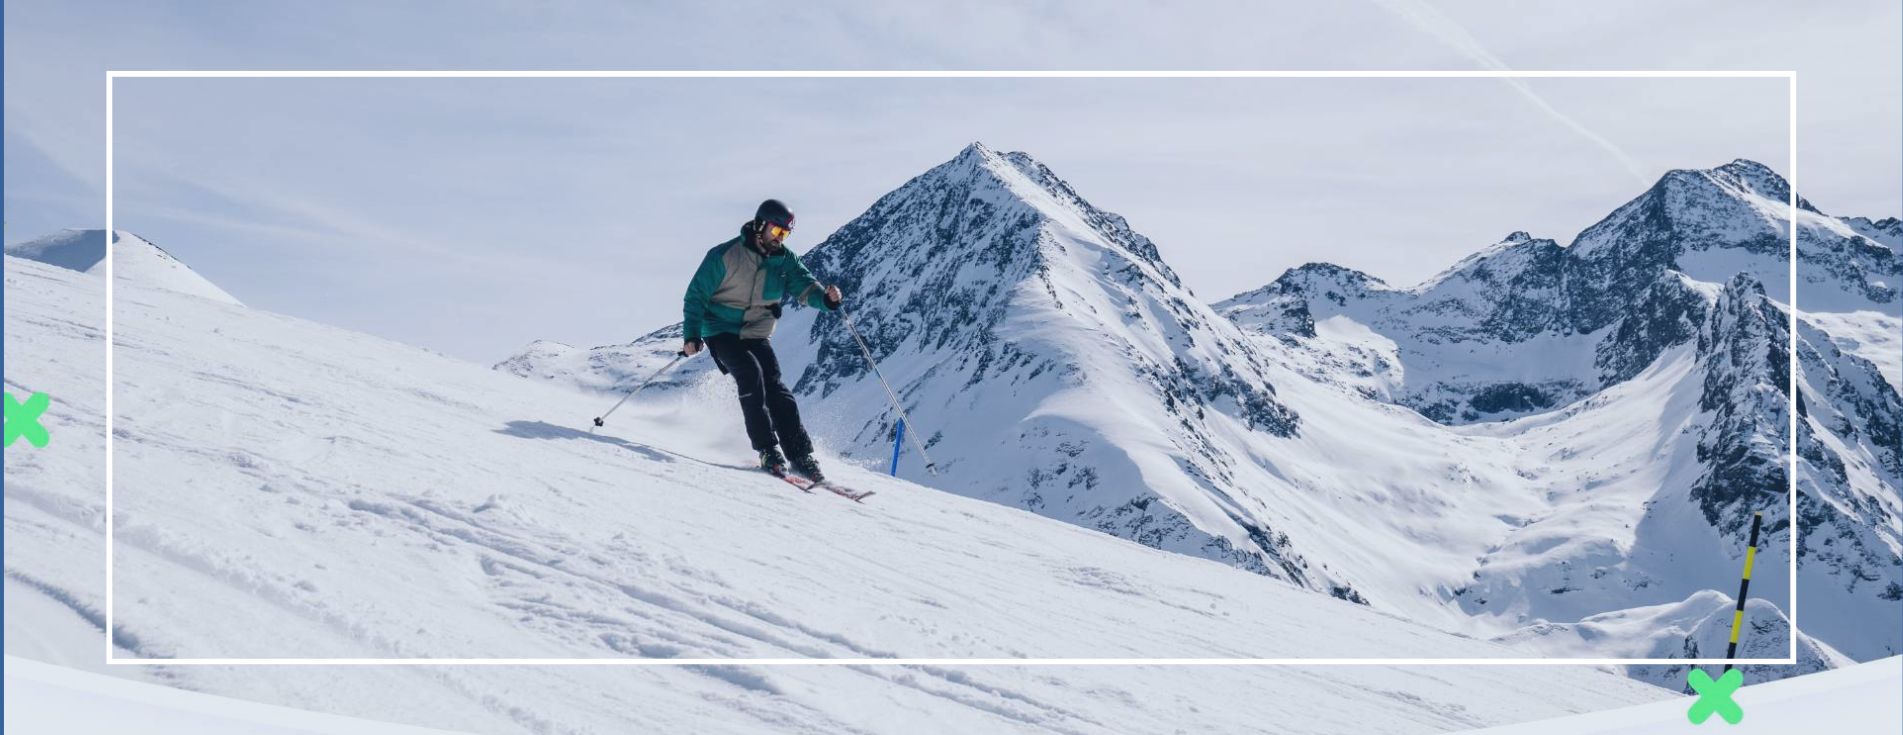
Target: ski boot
{"type": "Point", "coordinates": [806, 465]}
{"type": "Point", "coordinates": [772, 462]}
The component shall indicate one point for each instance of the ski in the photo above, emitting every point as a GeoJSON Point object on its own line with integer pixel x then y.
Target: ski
{"type": "Point", "coordinates": [844, 492]}
{"type": "Point", "coordinates": [807, 485]}
{"type": "Point", "coordinates": [798, 482]}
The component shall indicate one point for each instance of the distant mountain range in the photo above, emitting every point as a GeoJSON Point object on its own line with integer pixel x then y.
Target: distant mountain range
{"type": "Point", "coordinates": [1533, 443]}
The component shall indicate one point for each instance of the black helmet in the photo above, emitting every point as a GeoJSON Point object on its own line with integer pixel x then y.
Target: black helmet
{"type": "Point", "coordinates": [772, 211]}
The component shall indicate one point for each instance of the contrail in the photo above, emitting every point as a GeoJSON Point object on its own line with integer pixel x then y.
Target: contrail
{"type": "Point", "coordinates": [1430, 21]}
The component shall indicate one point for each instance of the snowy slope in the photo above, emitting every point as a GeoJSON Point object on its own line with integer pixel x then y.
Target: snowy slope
{"type": "Point", "coordinates": [289, 489]}
{"type": "Point", "coordinates": [45, 698]}
{"type": "Point", "coordinates": [1858, 700]}
{"type": "Point", "coordinates": [1697, 627]}
{"type": "Point", "coordinates": [135, 260]}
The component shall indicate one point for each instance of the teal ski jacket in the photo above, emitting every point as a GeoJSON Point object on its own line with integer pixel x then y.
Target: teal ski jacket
{"type": "Point", "coordinates": [738, 289]}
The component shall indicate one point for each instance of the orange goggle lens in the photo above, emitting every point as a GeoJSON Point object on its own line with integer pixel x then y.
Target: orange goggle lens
{"type": "Point", "coordinates": [777, 232]}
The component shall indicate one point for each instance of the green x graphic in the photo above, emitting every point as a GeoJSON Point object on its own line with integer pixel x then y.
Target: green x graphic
{"type": "Point", "coordinates": [23, 419]}
{"type": "Point", "coordinates": [1715, 696]}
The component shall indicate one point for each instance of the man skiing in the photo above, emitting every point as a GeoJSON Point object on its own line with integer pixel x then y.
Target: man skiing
{"type": "Point", "coordinates": [732, 305]}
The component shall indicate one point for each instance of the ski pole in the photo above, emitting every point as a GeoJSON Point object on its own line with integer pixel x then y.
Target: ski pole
{"type": "Point", "coordinates": [897, 444]}
{"type": "Point", "coordinates": [894, 397]}
{"type": "Point", "coordinates": [1744, 587]}
{"type": "Point", "coordinates": [678, 356]}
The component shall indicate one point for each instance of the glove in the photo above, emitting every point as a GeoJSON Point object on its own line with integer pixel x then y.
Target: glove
{"type": "Point", "coordinates": [834, 298]}
{"type": "Point", "coordinates": [690, 347]}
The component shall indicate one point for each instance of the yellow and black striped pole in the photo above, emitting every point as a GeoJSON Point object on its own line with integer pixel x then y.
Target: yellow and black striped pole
{"type": "Point", "coordinates": [1737, 616]}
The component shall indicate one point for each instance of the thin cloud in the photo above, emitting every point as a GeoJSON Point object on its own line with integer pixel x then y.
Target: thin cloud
{"type": "Point", "coordinates": [1430, 21]}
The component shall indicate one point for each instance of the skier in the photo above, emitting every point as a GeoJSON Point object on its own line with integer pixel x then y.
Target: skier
{"type": "Point", "coordinates": [732, 305]}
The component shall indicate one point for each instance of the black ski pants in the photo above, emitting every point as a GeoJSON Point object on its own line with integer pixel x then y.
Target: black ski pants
{"type": "Point", "coordinates": [772, 416]}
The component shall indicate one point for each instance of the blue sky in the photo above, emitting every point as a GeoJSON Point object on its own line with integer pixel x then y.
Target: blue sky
{"type": "Point", "coordinates": [471, 216]}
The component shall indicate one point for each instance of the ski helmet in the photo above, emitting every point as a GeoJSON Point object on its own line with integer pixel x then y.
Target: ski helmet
{"type": "Point", "coordinates": [772, 211]}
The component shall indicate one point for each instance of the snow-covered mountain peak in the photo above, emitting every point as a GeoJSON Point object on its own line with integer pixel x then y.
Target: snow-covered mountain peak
{"type": "Point", "coordinates": [1017, 186]}
{"type": "Point", "coordinates": [1740, 179]}
{"type": "Point", "coordinates": [136, 260]}
{"type": "Point", "coordinates": [1292, 302]}
{"type": "Point", "coordinates": [990, 253]}
{"type": "Point", "coordinates": [1332, 282]}
{"type": "Point", "coordinates": [976, 153]}
{"type": "Point", "coordinates": [1742, 204]}
{"type": "Point", "coordinates": [1756, 179]}
{"type": "Point", "coordinates": [974, 161]}
{"type": "Point", "coordinates": [1712, 224]}
{"type": "Point", "coordinates": [1507, 259]}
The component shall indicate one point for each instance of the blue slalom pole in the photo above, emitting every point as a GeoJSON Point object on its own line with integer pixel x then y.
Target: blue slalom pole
{"type": "Point", "coordinates": [897, 444]}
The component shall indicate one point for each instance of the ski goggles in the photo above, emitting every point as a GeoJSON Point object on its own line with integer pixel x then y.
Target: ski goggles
{"type": "Point", "coordinates": [777, 231]}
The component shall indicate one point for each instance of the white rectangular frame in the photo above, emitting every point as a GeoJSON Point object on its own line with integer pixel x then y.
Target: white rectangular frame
{"type": "Point", "coordinates": [1791, 469]}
